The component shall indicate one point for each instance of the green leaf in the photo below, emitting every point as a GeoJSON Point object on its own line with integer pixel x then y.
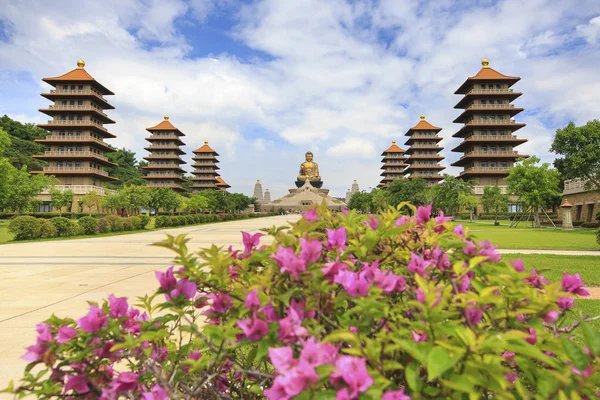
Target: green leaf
{"type": "Point", "coordinates": [342, 336]}
{"type": "Point", "coordinates": [592, 338]}
{"type": "Point", "coordinates": [438, 362]}
{"type": "Point", "coordinates": [576, 354]}
{"type": "Point", "coordinates": [412, 376]}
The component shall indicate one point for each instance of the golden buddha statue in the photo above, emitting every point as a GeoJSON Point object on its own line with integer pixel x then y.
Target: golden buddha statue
{"type": "Point", "coordinates": [309, 170]}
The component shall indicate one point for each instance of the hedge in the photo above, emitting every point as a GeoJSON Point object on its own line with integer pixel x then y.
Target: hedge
{"type": "Point", "coordinates": [48, 215]}
{"type": "Point", "coordinates": [164, 221]}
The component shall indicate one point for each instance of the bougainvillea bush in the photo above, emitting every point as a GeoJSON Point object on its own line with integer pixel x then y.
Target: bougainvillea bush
{"type": "Point", "coordinates": [337, 306]}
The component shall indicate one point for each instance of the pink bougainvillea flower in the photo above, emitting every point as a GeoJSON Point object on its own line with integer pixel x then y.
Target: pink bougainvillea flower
{"type": "Point", "coordinates": [388, 281]}
{"type": "Point", "coordinates": [157, 393]}
{"type": "Point", "coordinates": [565, 303]}
{"type": "Point", "coordinates": [254, 328]}
{"type": "Point", "coordinates": [310, 250]}
{"type": "Point", "coordinates": [459, 230]}
{"type": "Point", "coordinates": [473, 315]}
{"type": "Point", "coordinates": [311, 215]}
{"type": "Point", "coordinates": [345, 211]}
{"type": "Point", "coordinates": [166, 279]}
{"type": "Point", "coordinates": [252, 300]}
{"type": "Point", "coordinates": [220, 303]}
{"type": "Point", "coordinates": [332, 268]}
{"type": "Point", "coordinates": [402, 220]}
{"type": "Point", "coordinates": [586, 373]}
{"type": "Point", "coordinates": [77, 383]}
{"type": "Point", "coordinates": [439, 258]}
{"type": "Point", "coordinates": [44, 333]}
{"type": "Point", "coordinates": [353, 372]}
{"type": "Point", "coordinates": [489, 250]}
{"type": "Point", "coordinates": [294, 382]}
{"type": "Point", "coordinates": [418, 337]}
{"type": "Point", "coordinates": [282, 358]}
{"type": "Point", "coordinates": [287, 261]}
{"type": "Point", "coordinates": [93, 321]}
{"type": "Point", "coordinates": [300, 308]}
{"type": "Point", "coordinates": [465, 284]}
{"type": "Point", "coordinates": [532, 338]}
{"type": "Point", "coordinates": [125, 382]}
{"type": "Point", "coordinates": [470, 249]}
{"type": "Point", "coordinates": [420, 295]}
{"type": "Point", "coordinates": [395, 395]}
{"type": "Point", "coordinates": [65, 333]}
{"type": "Point", "coordinates": [118, 306]}
{"type": "Point", "coordinates": [269, 312]}
{"type": "Point", "coordinates": [518, 265]}
{"type": "Point", "coordinates": [34, 353]}
{"type": "Point", "coordinates": [423, 214]}
{"type": "Point", "coordinates": [372, 223]}
{"type": "Point", "coordinates": [536, 279]}
{"type": "Point", "coordinates": [336, 238]}
{"type": "Point", "coordinates": [418, 265]}
{"type": "Point", "coordinates": [511, 377]}
{"type": "Point", "coordinates": [290, 327]}
{"type": "Point", "coordinates": [183, 288]}
{"type": "Point", "coordinates": [316, 354]}
{"type": "Point", "coordinates": [550, 316]}
{"type": "Point", "coordinates": [574, 284]}
{"type": "Point", "coordinates": [354, 284]}
{"type": "Point", "coordinates": [440, 220]}
{"type": "Point", "coordinates": [251, 241]}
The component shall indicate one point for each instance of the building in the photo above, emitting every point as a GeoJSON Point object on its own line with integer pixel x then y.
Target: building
{"type": "Point", "coordinates": [488, 131]}
{"type": "Point", "coordinates": [394, 163]}
{"type": "Point", "coordinates": [164, 162]}
{"type": "Point", "coordinates": [76, 152]}
{"type": "Point", "coordinates": [205, 168]}
{"type": "Point", "coordinates": [586, 202]}
{"type": "Point", "coordinates": [354, 188]}
{"type": "Point", "coordinates": [267, 197]}
{"type": "Point", "coordinates": [423, 152]}
{"type": "Point", "coordinates": [348, 195]}
{"type": "Point", "coordinates": [258, 192]}
{"type": "Point", "coordinates": [221, 184]}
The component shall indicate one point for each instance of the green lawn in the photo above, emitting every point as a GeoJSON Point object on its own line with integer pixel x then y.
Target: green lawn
{"type": "Point", "coordinates": [5, 235]}
{"type": "Point", "coordinates": [553, 267]}
{"type": "Point", "coordinates": [531, 238]}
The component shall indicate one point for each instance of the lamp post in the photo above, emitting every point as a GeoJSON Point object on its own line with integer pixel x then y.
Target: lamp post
{"type": "Point", "coordinates": [567, 223]}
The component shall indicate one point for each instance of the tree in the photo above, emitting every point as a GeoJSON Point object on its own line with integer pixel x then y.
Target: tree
{"type": "Point", "coordinates": [379, 199]}
{"type": "Point", "coordinates": [91, 199]}
{"type": "Point", "coordinates": [535, 185]}
{"type": "Point", "coordinates": [580, 146]}
{"type": "Point", "coordinates": [164, 198]}
{"type": "Point", "coordinates": [493, 200]}
{"type": "Point", "coordinates": [61, 199]}
{"type": "Point", "coordinates": [197, 202]}
{"type": "Point", "coordinates": [361, 201]}
{"type": "Point", "coordinates": [113, 202]}
{"type": "Point", "coordinates": [135, 197]}
{"type": "Point", "coordinates": [467, 202]}
{"type": "Point", "coordinates": [4, 141]}
{"type": "Point", "coordinates": [18, 188]}
{"type": "Point", "coordinates": [446, 195]}
{"type": "Point", "coordinates": [411, 190]}
{"type": "Point", "coordinates": [128, 169]}
{"type": "Point", "coordinates": [22, 144]}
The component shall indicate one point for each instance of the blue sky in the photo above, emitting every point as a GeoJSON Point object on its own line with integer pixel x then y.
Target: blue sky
{"type": "Point", "coordinates": [266, 81]}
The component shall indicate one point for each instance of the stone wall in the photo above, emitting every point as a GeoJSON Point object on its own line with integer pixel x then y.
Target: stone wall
{"type": "Point", "coordinates": [585, 205]}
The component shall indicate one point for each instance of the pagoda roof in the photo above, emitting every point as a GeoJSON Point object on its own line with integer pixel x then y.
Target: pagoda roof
{"type": "Point", "coordinates": [205, 148]}
{"type": "Point", "coordinates": [486, 74]}
{"type": "Point", "coordinates": [222, 183]}
{"type": "Point", "coordinates": [79, 74]}
{"type": "Point", "coordinates": [393, 149]}
{"type": "Point", "coordinates": [165, 125]}
{"type": "Point", "coordinates": [423, 125]}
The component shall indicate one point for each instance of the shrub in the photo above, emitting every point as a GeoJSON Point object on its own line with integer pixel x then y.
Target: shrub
{"type": "Point", "coordinates": [377, 307]}
{"type": "Point", "coordinates": [136, 222]}
{"type": "Point", "coordinates": [64, 226]}
{"type": "Point", "coordinates": [25, 227]}
{"type": "Point", "coordinates": [128, 224]}
{"type": "Point", "coordinates": [590, 225]}
{"type": "Point", "coordinates": [116, 222]}
{"type": "Point", "coordinates": [89, 225]}
{"type": "Point", "coordinates": [104, 226]}
{"type": "Point", "coordinates": [48, 230]}
{"type": "Point", "coordinates": [145, 220]}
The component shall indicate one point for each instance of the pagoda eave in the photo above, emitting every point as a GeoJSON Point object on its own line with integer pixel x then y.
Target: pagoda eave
{"type": "Point", "coordinates": [411, 140]}
{"type": "Point", "coordinates": [470, 142]}
{"type": "Point", "coordinates": [466, 114]}
{"type": "Point", "coordinates": [468, 128]}
{"type": "Point", "coordinates": [99, 159]}
{"type": "Point", "coordinates": [78, 95]}
{"type": "Point", "coordinates": [54, 127]}
{"type": "Point", "coordinates": [59, 111]}
{"type": "Point", "coordinates": [163, 177]}
{"type": "Point", "coordinates": [471, 81]}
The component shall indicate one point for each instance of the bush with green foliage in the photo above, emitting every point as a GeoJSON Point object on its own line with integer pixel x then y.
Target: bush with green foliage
{"type": "Point", "coordinates": [48, 230]}
{"type": "Point", "coordinates": [337, 306]}
{"type": "Point", "coordinates": [145, 220]}
{"type": "Point", "coordinates": [116, 222]}
{"type": "Point", "coordinates": [105, 226]}
{"type": "Point", "coordinates": [64, 226]}
{"type": "Point", "coordinates": [89, 225]}
{"type": "Point", "coordinates": [136, 222]}
{"type": "Point", "coordinates": [25, 227]}
{"type": "Point", "coordinates": [128, 225]}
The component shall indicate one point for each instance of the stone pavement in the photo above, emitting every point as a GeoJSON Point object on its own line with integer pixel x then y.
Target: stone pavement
{"type": "Point", "coordinates": [42, 278]}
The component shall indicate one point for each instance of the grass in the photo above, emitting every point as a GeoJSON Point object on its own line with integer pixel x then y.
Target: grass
{"type": "Point", "coordinates": [533, 238]}
{"type": "Point", "coordinates": [5, 235]}
{"type": "Point", "coordinates": [553, 267]}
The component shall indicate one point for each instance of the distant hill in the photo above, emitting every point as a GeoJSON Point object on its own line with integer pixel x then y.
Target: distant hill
{"type": "Point", "coordinates": [22, 146]}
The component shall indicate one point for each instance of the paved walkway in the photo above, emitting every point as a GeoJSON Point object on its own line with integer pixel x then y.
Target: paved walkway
{"type": "Point", "coordinates": [551, 252]}
{"type": "Point", "coordinates": [42, 278]}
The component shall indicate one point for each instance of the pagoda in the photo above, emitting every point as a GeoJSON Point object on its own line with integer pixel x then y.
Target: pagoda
{"type": "Point", "coordinates": [258, 192]}
{"type": "Point", "coordinates": [221, 184]}
{"type": "Point", "coordinates": [423, 151]}
{"type": "Point", "coordinates": [205, 168]}
{"type": "Point", "coordinates": [394, 163]}
{"type": "Point", "coordinates": [164, 162]}
{"type": "Point", "coordinates": [488, 131]}
{"type": "Point", "coordinates": [76, 147]}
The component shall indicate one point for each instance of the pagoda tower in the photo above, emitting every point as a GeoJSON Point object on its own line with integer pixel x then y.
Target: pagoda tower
{"type": "Point", "coordinates": [423, 152]}
{"type": "Point", "coordinates": [164, 168]}
{"type": "Point", "coordinates": [267, 197]}
{"type": "Point", "coordinates": [205, 172]}
{"type": "Point", "coordinates": [394, 163]}
{"type": "Point", "coordinates": [258, 192]}
{"type": "Point", "coordinates": [348, 195]}
{"type": "Point", "coordinates": [76, 147]}
{"type": "Point", "coordinates": [488, 131]}
{"type": "Point", "coordinates": [221, 184]}
{"type": "Point", "coordinates": [355, 188]}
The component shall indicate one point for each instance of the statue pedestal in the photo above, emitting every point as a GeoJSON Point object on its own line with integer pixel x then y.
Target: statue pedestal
{"type": "Point", "coordinates": [315, 184]}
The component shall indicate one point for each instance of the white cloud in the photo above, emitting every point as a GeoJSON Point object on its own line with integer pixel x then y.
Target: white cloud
{"type": "Point", "coordinates": [353, 148]}
{"type": "Point", "coordinates": [591, 30]}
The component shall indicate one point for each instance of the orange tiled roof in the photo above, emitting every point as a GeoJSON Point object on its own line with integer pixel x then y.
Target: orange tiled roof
{"type": "Point", "coordinates": [79, 74]}
{"type": "Point", "coordinates": [424, 126]}
{"type": "Point", "coordinates": [221, 182]}
{"type": "Point", "coordinates": [393, 148]}
{"type": "Point", "coordinates": [487, 73]}
{"type": "Point", "coordinates": [165, 125]}
{"type": "Point", "coordinates": [205, 149]}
